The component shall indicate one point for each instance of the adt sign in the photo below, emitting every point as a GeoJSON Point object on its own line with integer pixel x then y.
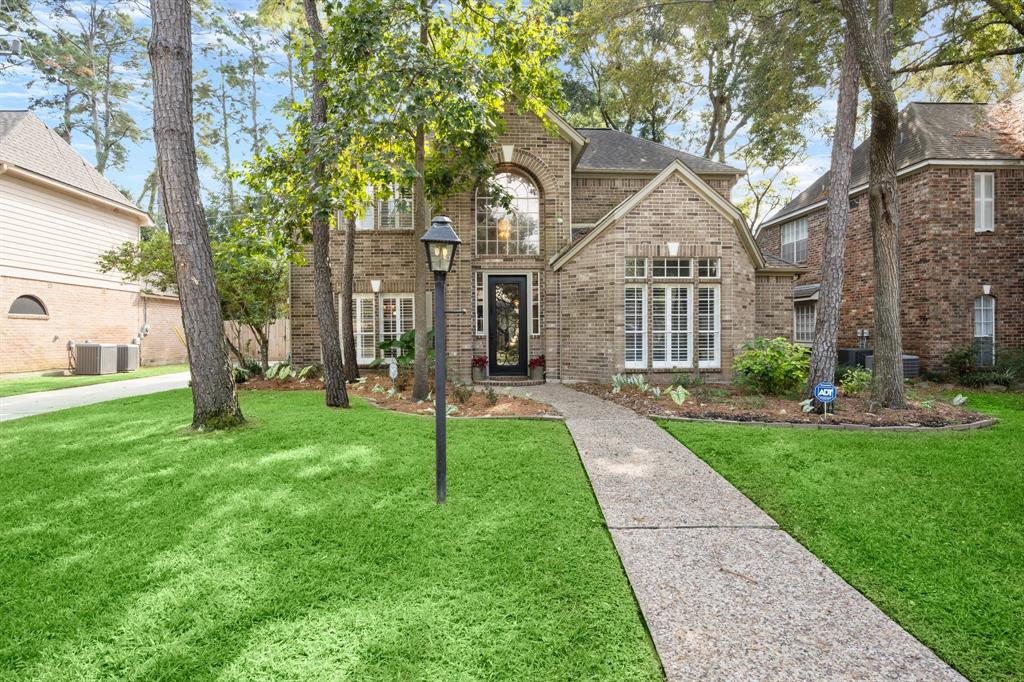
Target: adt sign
{"type": "Point", "coordinates": [825, 392]}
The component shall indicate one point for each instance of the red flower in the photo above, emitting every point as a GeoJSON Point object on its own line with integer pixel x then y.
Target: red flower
{"type": "Point", "coordinates": [537, 362]}
{"type": "Point", "coordinates": [480, 361]}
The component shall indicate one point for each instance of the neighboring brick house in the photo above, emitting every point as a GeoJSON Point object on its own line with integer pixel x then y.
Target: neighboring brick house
{"type": "Point", "coordinates": [961, 207]}
{"type": "Point", "coordinates": [618, 254]}
{"type": "Point", "coordinates": [57, 215]}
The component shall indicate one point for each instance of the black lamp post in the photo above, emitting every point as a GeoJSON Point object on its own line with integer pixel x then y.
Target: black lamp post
{"type": "Point", "coordinates": [441, 242]}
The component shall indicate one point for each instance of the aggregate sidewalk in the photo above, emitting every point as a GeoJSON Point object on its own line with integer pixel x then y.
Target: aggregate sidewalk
{"type": "Point", "coordinates": [28, 404]}
{"type": "Point", "coordinates": [726, 594]}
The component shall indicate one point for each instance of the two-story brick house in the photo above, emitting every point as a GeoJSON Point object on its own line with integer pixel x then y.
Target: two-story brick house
{"type": "Point", "coordinates": [616, 254]}
{"type": "Point", "coordinates": [961, 205]}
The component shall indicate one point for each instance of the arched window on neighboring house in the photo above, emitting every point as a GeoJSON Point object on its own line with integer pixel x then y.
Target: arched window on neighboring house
{"type": "Point", "coordinates": [508, 216]}
{"type": "Point", "coordinates": [985, 331]}
{"type": "Point", "coordinates": [27, 305]}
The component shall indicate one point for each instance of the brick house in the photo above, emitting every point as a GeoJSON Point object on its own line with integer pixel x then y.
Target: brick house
{"type": "Point", "coordinates": [57, 215]}
{"type": "Point", "coordinates": [961, 204]}
{"type": "Point", "coordinates": [615, 254]}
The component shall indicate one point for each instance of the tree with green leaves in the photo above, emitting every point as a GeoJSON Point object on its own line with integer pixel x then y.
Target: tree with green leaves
{"type": "Point", "coordinates": [89, 56]}
{"type": "Point", "coordinates": [418, 89]}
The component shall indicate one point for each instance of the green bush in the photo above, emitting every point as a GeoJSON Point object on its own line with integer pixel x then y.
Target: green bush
{"type": "Point", "coordinates": [855, 380]}
{"type": "Point", "coordinates": [960, 367]}
{"type": "Point", "coordinates": [987, 377]}
{"type": "Point", "coordinates": [772, 366]}
{"type": "Point", "coordinates": [959, 362]}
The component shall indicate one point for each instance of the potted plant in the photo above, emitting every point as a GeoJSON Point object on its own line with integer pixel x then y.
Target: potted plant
{"type": "Point", "coordinates": [479, 367]}
{"type": "Point", "coordinates": [537, 368]}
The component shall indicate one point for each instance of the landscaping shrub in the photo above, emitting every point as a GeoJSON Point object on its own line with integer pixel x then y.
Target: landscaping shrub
{"type": "Point", "coordinates": [491, 395]}
{"type": "Point", "coordinates": [461, 392]}
{"type": "Point", "coordinates": [772, 366]}
{"type": "Point", "coordinates": [959, 363]}
{"type": "Point", "coordinates": [312, 371]}
{"type": "Point", "coordinates": [855, 380]}
{"type": "Point", "coordinates": [960, 367]}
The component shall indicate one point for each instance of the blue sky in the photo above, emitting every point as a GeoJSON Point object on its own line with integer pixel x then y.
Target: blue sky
{"type": "Point", "coordinates": [17, 92]}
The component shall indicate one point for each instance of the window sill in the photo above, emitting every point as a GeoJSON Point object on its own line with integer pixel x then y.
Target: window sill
{"type": "Point", "coordinates": [23, 316]}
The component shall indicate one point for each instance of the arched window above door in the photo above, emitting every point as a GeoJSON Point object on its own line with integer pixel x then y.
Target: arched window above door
{"type": "Point", "coordinates": [508, 216]}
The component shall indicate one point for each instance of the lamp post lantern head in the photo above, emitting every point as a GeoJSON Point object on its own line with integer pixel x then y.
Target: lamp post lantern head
{"type": "Point", "coordinates": [441, 242]}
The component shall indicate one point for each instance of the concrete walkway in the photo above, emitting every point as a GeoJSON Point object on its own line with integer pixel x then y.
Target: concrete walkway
{"type": "Point", "coordinates": [727, 595]}
{"type": "Point", "coordinates": [17, 406]}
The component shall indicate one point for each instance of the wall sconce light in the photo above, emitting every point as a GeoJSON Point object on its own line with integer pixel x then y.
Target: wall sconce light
{"type": "Point", "coordinates": [375, 285]}
{"type": "Point", "coordinates": [673, 249]}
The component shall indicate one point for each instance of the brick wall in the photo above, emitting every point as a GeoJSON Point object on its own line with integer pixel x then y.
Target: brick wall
{"type": "Point", "coordinates": [944, 263]}
{"type": "Point", "coordinates": [592, 284]}
{"type": "Point", "coordinates": [774, 305]}
{"type": "Point", "coordinates": [594, 195]}
{"type": "Point", "coordinates": [78, 313]}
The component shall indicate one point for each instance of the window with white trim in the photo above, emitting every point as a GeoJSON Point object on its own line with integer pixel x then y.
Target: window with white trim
{"type": "Point", "coordinates": [794, 241]}
{"type": "Point", "coordinates": [984, 202]}
{"type": "Point", "coordinates": [393, 212]}
{"type": "Point", "coordinates": [535, 304]}
{"type": "Point", "coordinates": [636, 326]}
{"type": "Point", "coordinates": [364, 328]}
{"type": "Point", "coordinates": [985, 331]}
{"type": "Point", "coordinates": [707, 268]}
{"type": "Point", "coordinates": [636, 268]}
{"type": "Point", "coordinates": [396, 318]}
{"type": "Point", "coordinates": [480, 298]}
{"type": "Point", "coordinates": [508, 216]}
{"type": "Point", "coordinates": [708, 327]}
{"type": "Point", "coordinates": [670, 268]}
{"type": "Point", "coordinates": [670, 326]}
{"type": "Point", "coordinates": [804, 316]}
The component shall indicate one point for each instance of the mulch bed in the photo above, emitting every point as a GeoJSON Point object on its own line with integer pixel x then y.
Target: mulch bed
{"type": "Point", "coordinates": [730, 403]}
{"type": "Point", "coordinates": [476, 403]}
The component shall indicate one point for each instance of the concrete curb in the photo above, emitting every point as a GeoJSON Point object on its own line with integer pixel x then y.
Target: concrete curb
{"type": "Point", "coordinates": [970, 426]}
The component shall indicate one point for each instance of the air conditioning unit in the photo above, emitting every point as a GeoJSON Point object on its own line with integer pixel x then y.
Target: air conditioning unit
{"type": "Point", "coordinates": [95, 358]}
{"type": "Point", "coordinates": [127, 357]}
{"type": "Point", "coordinates": [911, 365]}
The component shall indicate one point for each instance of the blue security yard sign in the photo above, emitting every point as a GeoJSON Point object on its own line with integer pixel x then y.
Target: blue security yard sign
{"type": "Point", "coordinates": [825, 392]}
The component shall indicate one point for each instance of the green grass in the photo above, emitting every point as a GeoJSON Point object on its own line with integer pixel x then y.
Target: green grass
{"type": "Point", "coordinates": [930, 527]}
{"type": "Point", "coordinates": [306, 545]}
{"type": "Point", "coordinates": [9, 387]}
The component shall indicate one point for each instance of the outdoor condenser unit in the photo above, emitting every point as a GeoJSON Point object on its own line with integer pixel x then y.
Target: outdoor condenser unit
{"type": "Point", "coordinates": [95, 358]}
{"type": "Point", "coordinates": [127, 357]}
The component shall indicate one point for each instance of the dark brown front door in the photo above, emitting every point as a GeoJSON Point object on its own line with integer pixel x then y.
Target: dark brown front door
{"type": "Point", "coordinates": [506, 325]}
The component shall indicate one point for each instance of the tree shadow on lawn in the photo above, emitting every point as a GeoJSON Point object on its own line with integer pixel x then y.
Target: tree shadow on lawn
{"type": "Point", "coordinates": [305, 546]}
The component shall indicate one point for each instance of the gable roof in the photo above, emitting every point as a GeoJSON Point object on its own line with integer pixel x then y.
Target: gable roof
{"type": "Point", "coordinates": [613, 150]}
{"type": "Point", "coordinates": [676, 168]}
{"type": "Point", "coordinates": [928, 131]}
{"type": "Point", "coordinates": [27, 143]}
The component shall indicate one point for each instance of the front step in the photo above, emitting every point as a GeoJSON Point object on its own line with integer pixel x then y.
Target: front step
{"type": "Point", "coordinates": [509, 381]}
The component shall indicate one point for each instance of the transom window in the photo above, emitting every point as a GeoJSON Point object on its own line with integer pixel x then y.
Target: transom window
{"type": "Point", "coordinates": [27, 305]}
{"type": "Point", "coordinates": [985, 330]}
{"type": "Point", "coordinates": [794, 241]}
{"type": "Point", "coordinates": [984, 202]}
{"type": "Point", "coordinates": [636, 268]}
{"type": "Point", "coordinates": [707, 268]}
{"type": "Point", "coordinates": [508, 217]}
{"type": "Point", "coordinates": [667, 268]}
{"type": "Point", "coordinates": [804, 314]}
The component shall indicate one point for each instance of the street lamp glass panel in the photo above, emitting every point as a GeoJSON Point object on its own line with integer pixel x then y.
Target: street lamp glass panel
{"type": "Point", "coordinates": [441, 243]}
{"type": "Point", "coordinates": [441, 256]}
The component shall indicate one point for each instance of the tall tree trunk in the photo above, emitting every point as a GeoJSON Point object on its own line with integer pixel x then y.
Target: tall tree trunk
{"type": "Point", "coordinates": [348, 337]}
{"type": "Point", "coordinates": [874, 53]}
{"type": "Point", "coordinates": [830, 295]}
{"type": "Point", "coordinates": [421, 215]}
{"type": "Point", "coordinates": [323, 290]}
{"type": "Point", "coordinates": [215, 404]}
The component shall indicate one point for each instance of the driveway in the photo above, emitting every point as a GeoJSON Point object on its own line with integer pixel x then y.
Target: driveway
{"type": "Point", "coordinates": [726, 594]}
{"type": "Point", "coordinates": [18, 406]}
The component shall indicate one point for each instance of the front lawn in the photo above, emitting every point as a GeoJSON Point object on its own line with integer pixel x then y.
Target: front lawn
{"type": "Point", "coordinates": [930, 527]}
{"type": "Point", "coordinates": [306, 545]}
{"type": "Point", "coordinates": [9, 387]}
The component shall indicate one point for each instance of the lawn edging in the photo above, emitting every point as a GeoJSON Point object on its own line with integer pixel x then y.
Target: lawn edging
{"type": "Point", "coordinates": [979, 424]}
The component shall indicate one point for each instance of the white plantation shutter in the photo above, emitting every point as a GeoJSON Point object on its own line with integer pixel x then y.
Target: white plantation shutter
{"type": "Point", "coordinates": [984, 202]}
{"type": "Point", "coordinates": [708, 327]}
{"type": "Point", "coordinates": [636, 327]}
{"type": "Point", "coordinates": [671, 326]}
{"type": "Point", "coordinates": [396, 318]}
{"type": "Point", "coordinates": [363, 328]}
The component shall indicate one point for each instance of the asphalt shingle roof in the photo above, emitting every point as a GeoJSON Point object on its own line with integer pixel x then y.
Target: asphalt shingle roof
{"type": "Point", "coordinates": [26, 142]}
{"type": "Point", "coordinates": [609, 149]}
{"type": "Point", "coordinates": [927, 131]}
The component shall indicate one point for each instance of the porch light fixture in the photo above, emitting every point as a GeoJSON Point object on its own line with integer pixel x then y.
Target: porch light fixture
{"type": "Point", "coordinates": [441, 243]}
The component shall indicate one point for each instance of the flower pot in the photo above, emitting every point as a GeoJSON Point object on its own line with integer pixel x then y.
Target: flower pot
{"type": "Point", "coordinates": [479, 374]}
{"type": "Point", "coordinates": [537, 373]}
